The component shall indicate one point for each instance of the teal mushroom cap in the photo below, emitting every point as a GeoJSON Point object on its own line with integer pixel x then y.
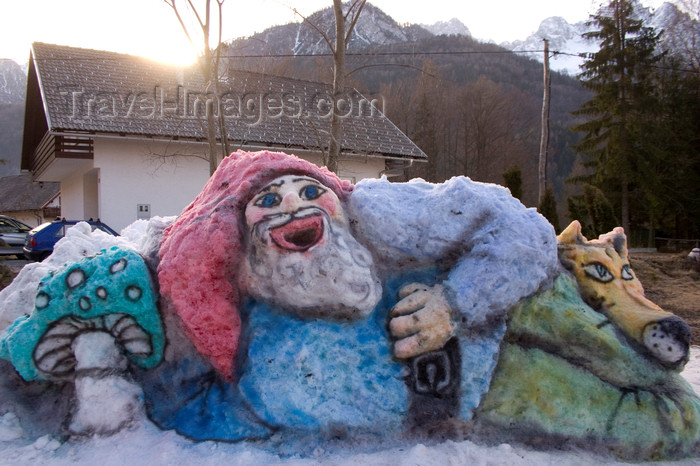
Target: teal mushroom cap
{"type": "Point", "coordinates": [110, 292]}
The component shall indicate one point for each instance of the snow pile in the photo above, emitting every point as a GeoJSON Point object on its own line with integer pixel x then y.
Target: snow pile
{"type": "Point", "coordinates": [144, 443]}
{"type": "Point", "coordinates": [10, 428]}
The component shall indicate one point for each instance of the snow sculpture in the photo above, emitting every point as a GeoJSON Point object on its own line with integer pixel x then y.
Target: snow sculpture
{"type": "Point", "coordinates": [300, 309]}
{"type": "Point", "coordinates": [88, 320]}
{"type": "Point", "coordinates": [592, 362]}
{"type": "Point", "coordinates": [284, 278]}
{"type": "Point", "coordinates": [606, 281]}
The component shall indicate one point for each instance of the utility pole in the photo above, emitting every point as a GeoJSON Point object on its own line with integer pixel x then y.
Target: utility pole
{"type": "Point", "coordinates": [544, 139]}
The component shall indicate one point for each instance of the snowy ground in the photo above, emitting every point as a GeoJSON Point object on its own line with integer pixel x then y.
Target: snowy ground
{"type": "Point", "coordinates": [145, 444]}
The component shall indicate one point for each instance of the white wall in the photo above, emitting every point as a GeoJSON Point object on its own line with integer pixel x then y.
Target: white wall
{"type": "Point", "coordinates": [126, 173]}
{"type": "Point", "coordinates": [355, 168]}
{"type": "Point", "coordinates": [73, 197]}
{"type": "Point", "coordinates": [134, 172]}
{"type": "Point", "coordinates": [33, 218]}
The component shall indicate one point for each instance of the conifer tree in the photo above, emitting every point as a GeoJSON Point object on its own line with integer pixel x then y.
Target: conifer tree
{"type": "Point", "coordinates": [513, 180]}
{"type": "Point", "coordinates": [599, 211]}
{"type": "Point", "coordinates": [672, 172]}
{"type": "Point", "coordinates": [618, 74]}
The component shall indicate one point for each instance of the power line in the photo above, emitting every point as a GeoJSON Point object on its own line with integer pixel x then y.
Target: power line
{"type": "Point", "coordinates": [413, 53]}
{"type": "Point", "coordinates": [306, 55]}
{"type": "Point", "coordinates": [386, 54]}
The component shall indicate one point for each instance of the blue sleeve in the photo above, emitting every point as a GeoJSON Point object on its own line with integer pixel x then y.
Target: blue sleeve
{"type": "Point", "coordinates": [496, 250]}
{"type": "Point", "coordinates": [194, 400]}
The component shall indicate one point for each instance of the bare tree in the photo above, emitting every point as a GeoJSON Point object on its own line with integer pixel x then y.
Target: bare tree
{"type": "Point", "coordinates": [498, 131]}
{"type": "Point", "coordinates": [208, 62]}
{"type": "Point", "coordinates": [544, 138]}
{"type": "Point", "coordinates": [345, 22]}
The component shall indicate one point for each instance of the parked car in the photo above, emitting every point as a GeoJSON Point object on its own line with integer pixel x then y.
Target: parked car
{"type": "Point", "coordinates": [13, 234]}
{"type": "Point", "coordinates": [41, 240]}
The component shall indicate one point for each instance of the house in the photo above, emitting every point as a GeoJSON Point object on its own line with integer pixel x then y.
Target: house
{"type": "Point", "coordinates": [29, 201]}
{"type": "Point", "coordinates": [125, 136]}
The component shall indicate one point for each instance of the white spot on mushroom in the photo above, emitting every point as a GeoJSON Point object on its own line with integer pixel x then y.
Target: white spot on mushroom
{"type": "Point", "coordinates": [118, 266]}
{"type": "Point", "coordinates": [101, 292]}
{"type": "Point", "coordinates": [84, 304]}
{"type": "Point", "coordinates": [75, 278]}
{"type": "Point", "coordinates": [42, 300]}
{"type": "Point", "coordinates": [133, 292]}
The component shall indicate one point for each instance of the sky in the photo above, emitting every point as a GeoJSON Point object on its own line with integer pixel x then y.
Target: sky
{"type": "Point", "coordinates": [150, 28]}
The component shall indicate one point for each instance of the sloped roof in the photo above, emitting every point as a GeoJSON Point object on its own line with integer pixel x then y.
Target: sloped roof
{"type": "Point", "coordinates": [104, 92]}
{"type": "Point", "coordinates": [19, 193]}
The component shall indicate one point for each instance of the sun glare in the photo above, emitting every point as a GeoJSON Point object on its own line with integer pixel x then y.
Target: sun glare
{"type": "Point", "coordinates": [173, 54]}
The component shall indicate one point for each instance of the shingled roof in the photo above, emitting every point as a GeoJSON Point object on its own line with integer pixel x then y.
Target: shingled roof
{"type": "Point", "coordinates": [19, 193]}
{"type": "Point", "coordinates": [98, 92]}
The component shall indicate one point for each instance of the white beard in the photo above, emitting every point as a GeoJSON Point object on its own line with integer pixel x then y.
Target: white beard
{"type": "Point", "coordinates": [334, 279]}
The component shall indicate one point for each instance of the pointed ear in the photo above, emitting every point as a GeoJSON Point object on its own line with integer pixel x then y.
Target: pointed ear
{"type": "Point", "coordinates": [617, 239]}
{"type": "Point", "coordinates": [572, 234]}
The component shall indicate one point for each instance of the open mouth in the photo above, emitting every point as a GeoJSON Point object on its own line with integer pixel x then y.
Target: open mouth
{"type": "Point", "coordinates": [298, 234]}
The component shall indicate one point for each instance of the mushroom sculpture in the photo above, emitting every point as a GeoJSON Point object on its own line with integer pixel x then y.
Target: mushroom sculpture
{"type": "Point", "coordinates": [89, 320]}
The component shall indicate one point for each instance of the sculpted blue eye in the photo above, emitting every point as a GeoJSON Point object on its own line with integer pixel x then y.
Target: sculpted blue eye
{"type": "Point", "coordinates": [311, 192]}
{"type": "Point", "coordinates": [268, 200]}
{"type": "Point", "coordinates": [598, 272]}
{"type": "Point", "coordinates": [627, 273]}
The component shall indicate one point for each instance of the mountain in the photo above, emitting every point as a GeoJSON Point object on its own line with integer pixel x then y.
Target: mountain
{"type": "Point", "coordinates": [448, 28]}
{"type": "Point", "coordinates": [680, 33]}
{"type": "Point", "coordinates": [564, 37]}
{"type": "Point", "coordinates": [12, 88]}
{"type": "Point", "coordinates": [473, 107]}
{"type": "Point", "coordinates": [373, 28]}
{"type": "Point", "coordinates": [12, 82]}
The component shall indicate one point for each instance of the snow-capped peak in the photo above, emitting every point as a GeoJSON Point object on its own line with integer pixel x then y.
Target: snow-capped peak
{"type": "Point", "coordinates": [448, 28]}
{"type": "Point", "coordinates": [12, 82]}
{"type": "Point", "coordinates": [567, 38]}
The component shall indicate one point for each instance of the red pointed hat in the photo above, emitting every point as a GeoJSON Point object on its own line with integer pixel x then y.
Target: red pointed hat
{"type": "Point", "coordinates": [200, 252]}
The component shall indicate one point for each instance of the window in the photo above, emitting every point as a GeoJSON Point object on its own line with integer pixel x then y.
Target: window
{"type": "Point", "coordinates": [6, 227]}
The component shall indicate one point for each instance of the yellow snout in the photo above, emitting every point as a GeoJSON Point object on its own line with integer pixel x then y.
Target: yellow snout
{"type": "Point", "coordinates": [607, 283]}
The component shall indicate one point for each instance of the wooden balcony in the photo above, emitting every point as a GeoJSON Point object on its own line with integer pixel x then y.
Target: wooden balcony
{"type": "Point", "coordinates": [55, 150]}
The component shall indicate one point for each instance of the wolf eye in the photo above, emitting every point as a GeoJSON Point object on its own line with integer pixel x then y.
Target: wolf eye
{"type": "Point", "coordinates": [627, 272]}
{"type": "Point", "coordinates": [311, 192]}
{"type": "Point", "coordinates": [268, 200]}
{"type": "Point", "coordinates": [598, 271]}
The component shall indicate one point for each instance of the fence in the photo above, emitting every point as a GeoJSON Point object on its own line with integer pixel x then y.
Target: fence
{"type": "Point", "coordinates": [676, 245]}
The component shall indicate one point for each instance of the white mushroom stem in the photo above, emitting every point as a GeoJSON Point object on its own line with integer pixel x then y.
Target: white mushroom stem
{"type": "Point", "coordinates": [105, 400]}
